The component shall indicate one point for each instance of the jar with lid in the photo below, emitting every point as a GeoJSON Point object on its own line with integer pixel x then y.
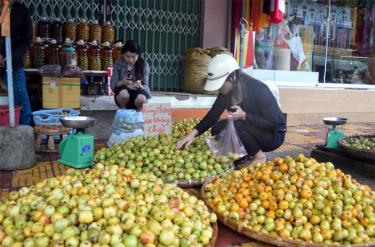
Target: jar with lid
{"type": "Point", "coordinates": [57, 29]}
{"type": "Point", "coordinates": [94, 56]}
{"type": "Point", "coordinates": [96, 32]}
{"type": "Point", "coordinates": [117, 51]}
{"type": "Point", "coordinates": [38, 53]}
{"type": "Point", "coordinates": [108, 33]}
{"type": "Point", "coordinates": [106, 56]}
{"type": "Point", "coordinates": [43, 28]}
{"type": "Point", "coordinates": [82, 57]}
{"type": "Point", "coordinates": [53, 53]}
{"type": "Point", "coordinates": [27, 59]}
{"type": "Point", "coordinates": [70, 30]}
{"type": "Point", "coordinates": [68, 54]}
{"type": "Point", "coordinates": [83, 30]}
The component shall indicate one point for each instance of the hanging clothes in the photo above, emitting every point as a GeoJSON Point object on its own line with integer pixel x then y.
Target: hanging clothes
{"type": "Point", "coordinates": [277, 11]}
{"type": "Point", "coordinates": [248, 11]}
{"type": "Point", "coordinates": [248, 51]}
{"type": "Point", "coordinates": [264, 17]}
{"type": "Point", "coordinates": [267, 7]}
{"type": "Point", "coordinates": [256, 15]}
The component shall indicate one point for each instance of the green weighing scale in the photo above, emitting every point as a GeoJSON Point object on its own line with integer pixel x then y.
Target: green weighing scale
{"type": "Point", "coordinates": [334, 135]}
{"type": "Point", "coordinates": [77, 149]}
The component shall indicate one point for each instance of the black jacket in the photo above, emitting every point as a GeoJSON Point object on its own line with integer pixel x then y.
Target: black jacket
{"type": "Point", "coordinates": [21, 29]}
{"type": "Point", "coordinates": [262, 110]}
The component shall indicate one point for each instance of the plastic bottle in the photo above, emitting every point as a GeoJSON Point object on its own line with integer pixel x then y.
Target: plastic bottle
{"type": "Point", "coordinates": [106, 56]}
{"type": "Point", "coordinates": [96, 32]}
{"type": "Point", "coordinates": [57, 29]}
{"type": "Point", "coordinates": [82, 57]}
{"type": "Point", "coordinates": [117, 51]}
{"type": "Point", "coordinates": [83, 30]}
{"type": "Point", "coordinates": [68, 54]}
{"type": "Point", "coordinates": [27, 59]}
{"type": "Point", "coordinates": [53, 53]}
{"type": "Point", "coordinates": [94, 56]}
{"type": "Point", "coordinates": [108, 33]}
{"type": "Point", "coordinates": [70, 30]}
{"type": "Point", "coordinates": [37, 53]}
{"type": "Point", "coordinates": [43, 28]}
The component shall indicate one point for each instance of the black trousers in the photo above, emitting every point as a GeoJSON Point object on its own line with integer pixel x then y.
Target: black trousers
{"type": "Point", "coordinates": [253, 138]}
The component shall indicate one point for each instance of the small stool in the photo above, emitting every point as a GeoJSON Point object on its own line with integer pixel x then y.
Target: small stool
{"type": "Point", "coordinates": [50, 131]}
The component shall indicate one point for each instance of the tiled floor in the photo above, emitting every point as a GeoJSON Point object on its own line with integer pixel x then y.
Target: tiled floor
{"type": "Point", "coordinates": [298, 140]}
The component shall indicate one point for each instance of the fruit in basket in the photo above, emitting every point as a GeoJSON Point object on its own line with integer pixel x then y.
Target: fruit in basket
{"type": "Point", "coordinates": [106, 206]}
{"type": "Point", "coordinates": [366, 143]}
{"type": "Point", "coordinates": [298, 199]}
{"type": "Point", "coordinates": [158, 155]}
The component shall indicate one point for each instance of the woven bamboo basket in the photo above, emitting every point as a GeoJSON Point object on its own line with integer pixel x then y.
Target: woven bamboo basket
{"type": "Point", "coordinates": [267, 238]}
{"type": "Point", "coordinates": [198, 182]}
{"type": "Point", "coordinates": [215, 226]}
{"type": "Point", "coordinates": [357, 153]}
{"type": "Point", "coordinates": [212, 242]}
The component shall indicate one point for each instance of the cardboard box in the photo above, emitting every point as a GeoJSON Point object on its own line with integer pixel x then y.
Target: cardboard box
{"type": "Point", "coordinates": [61, 92]}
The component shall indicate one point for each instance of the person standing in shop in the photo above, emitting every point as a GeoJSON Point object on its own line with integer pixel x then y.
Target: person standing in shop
{"type": "Point", "coordinates": [258, 120]}
{"type": "Point", "coordinates": [21, 31]}
{"type": "Point", "coordinates": [130, 78]}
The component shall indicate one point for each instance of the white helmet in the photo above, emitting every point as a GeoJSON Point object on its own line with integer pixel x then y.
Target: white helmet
{"type": "Point", "coordinates": [219, 68]}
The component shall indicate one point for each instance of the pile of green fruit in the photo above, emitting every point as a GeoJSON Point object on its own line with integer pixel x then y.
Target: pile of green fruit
{"type": "Point", "coordinates": [158, 155]}
{"type": "Point", "coordinates": [106, 206]}
{"type": "Point", "coordinates": [360, 142]}
{"type": "Point", "coordinates": [182, 128]}
{"type": "Point", "coordinates": [299, 199]}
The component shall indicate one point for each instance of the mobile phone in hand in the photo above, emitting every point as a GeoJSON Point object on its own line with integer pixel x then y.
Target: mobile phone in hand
{"type": "Point", "coordinates": [232, 109]}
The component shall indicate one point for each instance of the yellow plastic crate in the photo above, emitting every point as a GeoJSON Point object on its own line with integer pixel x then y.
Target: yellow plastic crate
{"type": "Point", "coordinates": [61, 92]}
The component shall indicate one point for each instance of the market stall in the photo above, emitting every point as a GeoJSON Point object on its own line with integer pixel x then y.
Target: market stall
{"type": "Point", "coordinates": [142, 190]}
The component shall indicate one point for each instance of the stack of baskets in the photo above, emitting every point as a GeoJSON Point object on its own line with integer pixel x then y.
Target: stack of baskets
{"type": "Point", "coordinates": [48, 121]}
{"type": "Point", "coordinates": [52, 116]}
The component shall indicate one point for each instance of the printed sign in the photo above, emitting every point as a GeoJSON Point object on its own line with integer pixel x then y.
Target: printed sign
{"type": "Point", "coordinates": [157, 119]}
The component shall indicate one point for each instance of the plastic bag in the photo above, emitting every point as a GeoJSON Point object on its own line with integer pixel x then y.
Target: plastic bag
{"type": "Point", "coordinates": [127, 121]}
{"type": "Point", "coordinates": [226, 142]}
{"type": "Point", "coordinates": [72, 72]}
{"type": "Point", "coordinates": [53, 70]}
{"type": "Point", "coordinates": [127, 124]}
{"type": "Point", "coordinates": [123, 137]}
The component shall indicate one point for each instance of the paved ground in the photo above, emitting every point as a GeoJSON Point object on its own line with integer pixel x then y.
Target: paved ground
{"type": "Point", "coordinates": [298, 140]}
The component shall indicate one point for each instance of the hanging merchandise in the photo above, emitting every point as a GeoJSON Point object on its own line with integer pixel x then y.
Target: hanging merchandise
{"type": "Point", "coordinates": [70, 30]}
{"type": "Point", "coordinates": [96, 32]}
{"type": "Point", "coordinates": [83, 30]}
{"type": "Point", "coordinates": [236, 16]}
{"type": "Point", "coordinates": [277, 11]}
{"type": "Point", "coordinates": [248, 52]}
{"type": "Point", "coordinates": [108, 33]}
{"type": "Point", "coordinates": [254, 13]}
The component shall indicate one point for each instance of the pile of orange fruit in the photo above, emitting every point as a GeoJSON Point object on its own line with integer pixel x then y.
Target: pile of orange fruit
{"type": "Point", "coordinates": [299, 199]}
